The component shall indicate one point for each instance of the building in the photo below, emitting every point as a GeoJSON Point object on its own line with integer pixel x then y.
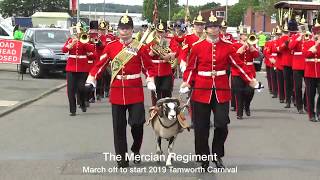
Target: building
{"type": "Point", "coordinates": [112, 17]}
{"type": "Point", "coordinates": [45, 19]}
{"type": "Point", "coordinates": [219, 12]}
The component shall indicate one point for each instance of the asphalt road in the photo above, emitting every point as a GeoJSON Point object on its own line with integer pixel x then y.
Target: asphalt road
{"type": "Point", "coordinates": [41, 141]}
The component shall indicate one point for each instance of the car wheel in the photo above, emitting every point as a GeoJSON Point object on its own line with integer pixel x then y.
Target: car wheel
{"type": "Point", "coordinates": [35, 69]}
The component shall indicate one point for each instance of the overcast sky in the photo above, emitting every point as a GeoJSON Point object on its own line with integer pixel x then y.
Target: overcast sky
{"type": "Point", "coordinates": [139, 2]}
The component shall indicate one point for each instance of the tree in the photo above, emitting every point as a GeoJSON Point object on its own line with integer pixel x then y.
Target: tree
{"type": "Point", "coordinates": [163, 9]}
{"type": "Point", "coordinates": [237, 11]}
{"type": "Point", "coordinates": [28, 8]}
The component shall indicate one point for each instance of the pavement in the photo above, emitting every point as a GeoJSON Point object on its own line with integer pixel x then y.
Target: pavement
{"type": "Point", "coordinates": [41, 141]}
{"type": "Point", "coordinates": [17, 92]}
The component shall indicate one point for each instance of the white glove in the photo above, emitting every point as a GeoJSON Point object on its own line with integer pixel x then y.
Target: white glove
{"type": "Point", "coordinates": [183, 66]}
{"type": "Point", "coordinates": [259, 87]}
{"type": "Point", "coordinates": [184, 90]}
{"type": "Point", "coordinates": [91, 80]}
{"type": "Point", "coordinates": [151, 86]}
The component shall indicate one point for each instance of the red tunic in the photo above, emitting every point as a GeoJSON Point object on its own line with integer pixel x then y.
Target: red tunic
{"type": "Point", "coordinates": [267, 54]}
{"type": "Point", "coordinates": [312, 64]}
{"type": "Point", "coordinates": [207, 57]}
{"type": "Point", "coordinates": [286, 57]}
{"type": "Point", "coordinates": [162, 67]}
{"type": "Point", "coordinates": [125, 91]}
{"type": "Point", "coordinates": [78, 60]}
{"type": "Point", "coordinates": [187, 44]}
{"type": "Point", "coordinates": [247, 58]}
{"type": "Point", "coordinates": [276, 54]}
{"type": "Point", "coordinates": [297, 55]}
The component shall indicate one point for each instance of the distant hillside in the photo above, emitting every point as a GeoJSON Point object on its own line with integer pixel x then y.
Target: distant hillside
{"type": "Point", "coordinates": [111, 8]}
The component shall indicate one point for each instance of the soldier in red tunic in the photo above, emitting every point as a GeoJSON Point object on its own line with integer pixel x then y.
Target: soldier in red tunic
{"type": "Point", "coordinates": [298, 65]}
{"type": "Point", "coordinates": [189, 39]}
{"type": "Point", "coordinates": [286, 60]}
{"type": "Point", "coordinates": [207, 67]}
{"type": "Point", "coordinates": [266, 53]}
{"type": "Point", "coordinates": [243, 93]}
{"type": "Point", "coordinates": [311, 51]}
{"type": "Point", "coordinates": [128, 57]}
{"type": "Point", "coordinates": [224, 33]}
{"type": "Point", "coordinates": [160, 59]}
{"type": "Point", "coordinates": [80, 61]}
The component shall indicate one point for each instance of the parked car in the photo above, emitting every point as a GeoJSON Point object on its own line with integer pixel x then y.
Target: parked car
{"type": "Point", "coordinates": [42, 50]}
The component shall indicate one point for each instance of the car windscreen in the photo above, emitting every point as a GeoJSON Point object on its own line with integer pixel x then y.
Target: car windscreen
{"type": "Point", "coordinates": [51, 36]}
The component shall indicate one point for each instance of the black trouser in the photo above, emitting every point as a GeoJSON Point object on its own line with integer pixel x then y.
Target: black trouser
{"type": "Point", "coordinates": [233, 97]}
{"type": "Point", "coordinates": [243, 94]}
{"type": "Point", "coordinates": [288, 81]}
{"type": "Point", "coordinates": [280, 84]}
{"type": "Point", "coordinates": [268, 70]}
{"type": "Point", "coordinates": [274, 81]}
{"type": "Point", "coordinates": [136, 121]}
{"type": "Point", "coordinates": [201, 113]}
{"type": "Point", "coordinates": [101, 85]}
{"type": "Point", "coordinates": [75, 85]}
{"type": "Point", "coordinates": [107, 82]}
{"type": "Point", "coordinates": [164, 85]}
{"type": "Point", "coordinates": [312, 85]}
{"type": "Point", "coordinates": [298, 78]}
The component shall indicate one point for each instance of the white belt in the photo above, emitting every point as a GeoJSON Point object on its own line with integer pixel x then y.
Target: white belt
{"type": "Point", "coordinates": [159, 61]}
{"type": "Point", "coordinates": [130, 76]}
{"type": "Point", "coordinates": [78, 56]}
{"type": "Point", "coordinates": [274, 54]}
{"type": "Point", "coordinates": [297, 53]}
{"type": "Point", "coordinates": [312, 60]}
{"type": "Point", "coordinates": [248, 63]}
{"type": "Point", "coordinates": [212, 73]}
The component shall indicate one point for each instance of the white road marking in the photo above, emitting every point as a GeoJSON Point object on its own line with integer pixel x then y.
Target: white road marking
{"type": "Point", "coordinates": [4, 103]}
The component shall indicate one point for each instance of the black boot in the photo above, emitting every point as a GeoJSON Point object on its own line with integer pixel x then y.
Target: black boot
{"type": "Point", "coordinates": [205, 165]}
{"type": "Point", "coordinates": [219, 163]}
{"type": "Point", "coordinates": [138, 159]}
{"type": "Point", "coordinates": [247, 111]}
{"type": "Point", "coordinates": [123, 164]}
{"type": "Point", "coordinates": [287, 106]}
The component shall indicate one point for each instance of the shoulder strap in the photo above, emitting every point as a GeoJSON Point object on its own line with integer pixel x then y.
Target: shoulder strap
{"type": "Point", "coordinates": [123, 57]}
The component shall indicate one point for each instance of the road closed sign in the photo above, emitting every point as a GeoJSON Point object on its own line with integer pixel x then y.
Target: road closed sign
{"type": "Point", "coordinates": [10, 51]}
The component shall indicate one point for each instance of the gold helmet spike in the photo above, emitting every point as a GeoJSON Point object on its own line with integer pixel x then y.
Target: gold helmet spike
{"type": "Point", "coordinates": [303, 20]}
{"type": "Point", "coordinates": [285, 27]}
{"type": "Point", "coordinates": [212, 18]}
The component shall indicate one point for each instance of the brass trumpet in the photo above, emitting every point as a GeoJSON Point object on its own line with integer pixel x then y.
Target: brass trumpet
{"type": "Point", "coordinates": [252, 39]}
{"type": "Point", "coordinates": [84, 38]}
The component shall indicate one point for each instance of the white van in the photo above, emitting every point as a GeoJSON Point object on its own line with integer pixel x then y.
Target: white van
{"type": "Point", "coordinates": [6, 29]}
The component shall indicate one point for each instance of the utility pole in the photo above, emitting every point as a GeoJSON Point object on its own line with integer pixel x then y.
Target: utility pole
{"type": "Point", "coordinates": [226, 14]}
{"type": "Point", "coordinates": [78, 10]}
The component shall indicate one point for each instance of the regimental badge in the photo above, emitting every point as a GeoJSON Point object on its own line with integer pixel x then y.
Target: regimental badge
{"type": "Point", "coordinates": [116, 64]}
{"type": "Point", "coordinates": [212, 18]}
{"type": "Point", "coordinates": [124, 19]}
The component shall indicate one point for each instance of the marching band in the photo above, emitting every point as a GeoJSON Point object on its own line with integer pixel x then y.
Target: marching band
{"type": "Point", "coordinates": [205, 57]}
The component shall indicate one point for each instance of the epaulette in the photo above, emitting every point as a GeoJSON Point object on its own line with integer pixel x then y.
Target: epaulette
{"type": "Point", "coordinates": [226, 41]}
{"type": "Point", "coordinates": [200, 40]}
{"type": "Point", "coordinates": [112, 42]}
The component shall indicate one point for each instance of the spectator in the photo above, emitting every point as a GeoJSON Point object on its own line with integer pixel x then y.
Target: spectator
{"type": "Point", "coordinates": [262, 40]}
{"type": "Point", "coordinates": [17, 33]}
